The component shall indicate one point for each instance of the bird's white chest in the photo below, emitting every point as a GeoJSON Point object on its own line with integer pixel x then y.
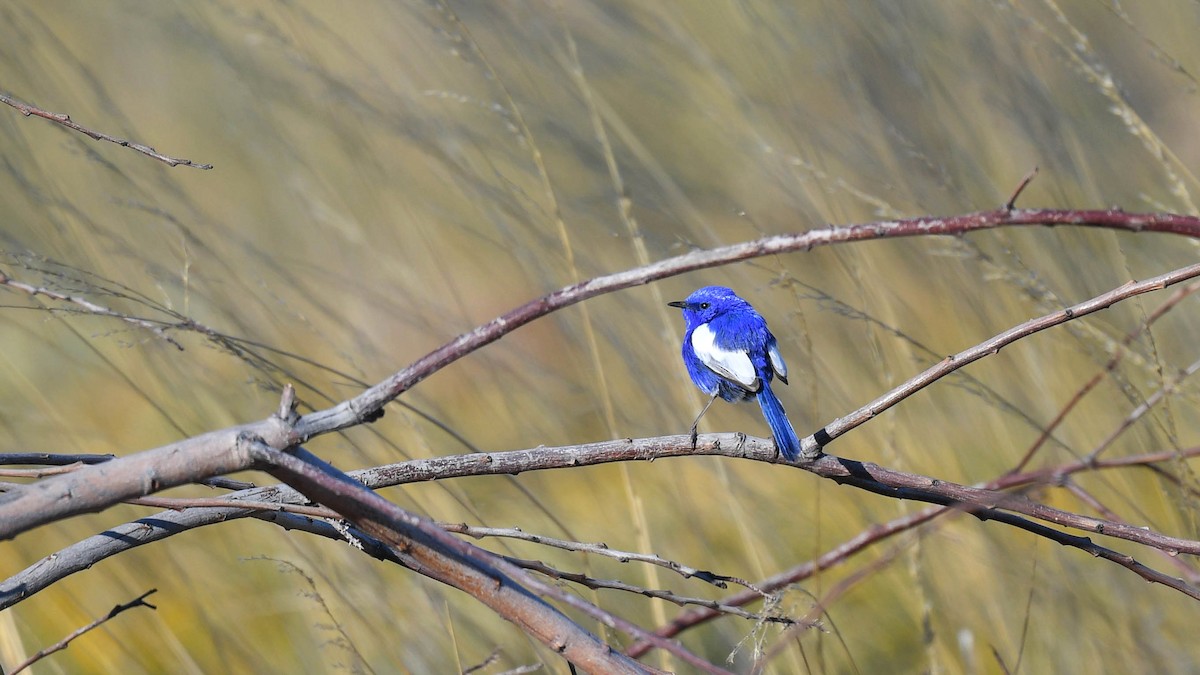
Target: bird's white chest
{"type": "Point", "coordinates": [732, 364]}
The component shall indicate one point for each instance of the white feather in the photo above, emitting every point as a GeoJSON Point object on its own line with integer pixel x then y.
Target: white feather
{"type": "Point", "coordinates": [730, 364]}
{"type": "Point", "coordinates": [777, 362]}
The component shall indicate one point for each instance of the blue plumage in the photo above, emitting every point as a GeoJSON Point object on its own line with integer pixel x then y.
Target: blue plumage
{"type": "Point", "coordinates": [730, 353]}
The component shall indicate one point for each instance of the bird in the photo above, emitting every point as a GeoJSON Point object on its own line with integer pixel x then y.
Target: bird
{"type": "Point", "coordinates": [729, 352]}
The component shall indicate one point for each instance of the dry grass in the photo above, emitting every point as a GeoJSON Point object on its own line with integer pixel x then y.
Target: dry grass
{"type": "Point", "coordinates": [389, 177]}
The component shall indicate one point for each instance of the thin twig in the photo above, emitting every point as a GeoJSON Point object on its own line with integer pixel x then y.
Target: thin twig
{"type": "Point", "coordinates": [842, 587]}
{"type": "Point", "coordinates": [156, 327]}
{"type": "Point", "coordinates": [831, 558]}
{"type": "Point", "coordinates": [601, 549]}
{"type": "Point", "coordinates": [40, 473]}
{"type": "Point", "coordinates": [1012, 200]}
{"type": "Point", "coordinates": [612, 584]}
{"type": "Point", "coordinates": [51, 459]}
{"type": "Point", "coordinates": [65, 120]}
{"type": "Point", "coordinates": [1118, 354]}
{"type": "Point", "coordinates": [139, 601]}
{"type": "Point", "coordinates": [1143, 408]}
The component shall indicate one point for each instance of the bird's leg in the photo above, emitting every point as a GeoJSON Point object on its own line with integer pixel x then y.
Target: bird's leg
{"type": "Point", "coordinates": [696, 424]}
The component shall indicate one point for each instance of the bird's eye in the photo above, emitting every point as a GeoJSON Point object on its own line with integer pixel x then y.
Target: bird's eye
{"type": "Point", "coordinates": [704, 305]}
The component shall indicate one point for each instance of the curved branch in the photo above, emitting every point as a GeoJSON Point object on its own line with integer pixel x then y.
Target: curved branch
{"type": "Point", "coordinates": [370, 403]}
{"type": "Point", "coordinates": [97, 487]}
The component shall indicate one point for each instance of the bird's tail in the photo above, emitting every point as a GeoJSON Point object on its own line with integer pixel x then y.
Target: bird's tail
{"type": "Point", "coordinates": [781, 428]}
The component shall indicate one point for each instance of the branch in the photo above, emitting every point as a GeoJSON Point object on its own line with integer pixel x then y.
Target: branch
{"type": "Point", "coordinates": [50, 459]}
{"type": "Point", "coordinates": [88, 552]}
{"type": "Point", "coordinates": [1170, 303]}
{"type": "Point", "coordinates": [485, 576]}
{"type": "Point", "coordinates": [67, 122]}
{"type": "Point", "coordinates": [87, 306]}
{"type": "Point", "coordinates": [831, 558]}
{"type": "Point", "coordinates": [369, 404]}
{"type": "Point", "coordinates": [992, 346]}
{"type": "Point", "coordinates": [1012, 200]}
{"type": "Point", "coordinates": [139, 601]}
{"type": "Point", "coordinates": [601, 549]}
{"type": "Point", "coordinates": [874, 478]}
{"type": "Point", "coordinates": [94, 488]}
{"type": "Point", "coordinates": [680, 600]}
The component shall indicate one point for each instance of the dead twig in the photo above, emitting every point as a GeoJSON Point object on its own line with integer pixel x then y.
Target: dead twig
{"type": "Point", "coordinates": [66, 121]}
{"type": "Point", "coordinates": [139, 601]}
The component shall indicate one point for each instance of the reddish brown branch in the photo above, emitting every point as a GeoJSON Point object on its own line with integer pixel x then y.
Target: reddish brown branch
{"type": "Point", "coordinates": [370, 402]}
{"type": "Point", "coordinates": [835, 556]}
{"type": "Point", "coordinates": [1170, 303]}
{"type": "Point", "coordinates": [1012, 200]}
{"type": "Point", "coordinates": [66, 121]}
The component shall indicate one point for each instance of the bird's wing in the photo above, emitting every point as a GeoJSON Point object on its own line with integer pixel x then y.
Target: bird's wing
{"type": "Point", "coordinates": [731, 364]}
{"type": "Point", "coordinates": [777, 361]}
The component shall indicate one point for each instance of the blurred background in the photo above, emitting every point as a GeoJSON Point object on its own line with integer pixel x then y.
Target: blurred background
{"type": "Point", "coordinates": [390, 175]}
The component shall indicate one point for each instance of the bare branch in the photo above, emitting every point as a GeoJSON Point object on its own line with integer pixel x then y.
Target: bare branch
{"type": "Point", "coordinates": [992, 346]}
{"type": "Point", "coordinates": [214, 453]}
{"type": "Point", "coordinates": [1088, 498]}
{"type": "Point", "coordinates": [601, 549]}
{"type": "Point", "coordinates": [873, 478]}
{"type": "Point", "coordinates": [612, 584]}
{"type": "Point", "coordinates": [49, 459]}
{"type": "Point", "coordinates": [831, 558]}
{"type": "Point", "coordinates": [488, 578]}
{"type": "Point", "coordinates": [843, 586]}
{"type": "Point", "coordinates": [65, 120]}
{"type": "Point", "coordinates": [1143, 408]}
{"type": "Point", "coordinates": [88, 306]}
{"type": "Point", "coordinates": [1012, 200]}
{"type": "Point", "coordinates": [88, 552]}
{"type": "Point", "coordinates": [96, 487]}
{"type": "Point", "coordinates": [139, 601]}
{"type": "Point", "coordinates": [1169, 304]}
{"type": "Point", "coordinates": [40, 472]}
{"type": "Point", "coordinates": [370, 402]}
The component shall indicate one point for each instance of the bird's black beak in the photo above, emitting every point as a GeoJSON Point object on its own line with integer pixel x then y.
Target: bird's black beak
{"type": "Point", "coordinates": [678, 303]}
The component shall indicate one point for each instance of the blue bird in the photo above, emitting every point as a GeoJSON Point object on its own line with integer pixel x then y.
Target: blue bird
{"type": "Point", "coordinates": [730, 352]}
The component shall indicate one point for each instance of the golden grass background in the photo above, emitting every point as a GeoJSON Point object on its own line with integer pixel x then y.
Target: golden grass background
{"type": "Point", "coordinates": [389, 175]}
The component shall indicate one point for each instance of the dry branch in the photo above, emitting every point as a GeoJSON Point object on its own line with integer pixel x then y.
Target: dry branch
{"type": "Point", "coordinates": [139, 601]}
{"type": "Point", "coordinates": [84, 554]}
{"type": "Point", "coordinates": [485, 576]}
{"type": "Point", "coordinates": [482, 574]}
{"type": "Point", "coordinates": [66, 121]}
{"type": "Point", "coordinates": [371, 402]}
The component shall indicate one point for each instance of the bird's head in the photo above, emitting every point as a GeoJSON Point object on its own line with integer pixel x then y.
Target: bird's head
{"type": "Point", "coordinates": [708, 303]}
